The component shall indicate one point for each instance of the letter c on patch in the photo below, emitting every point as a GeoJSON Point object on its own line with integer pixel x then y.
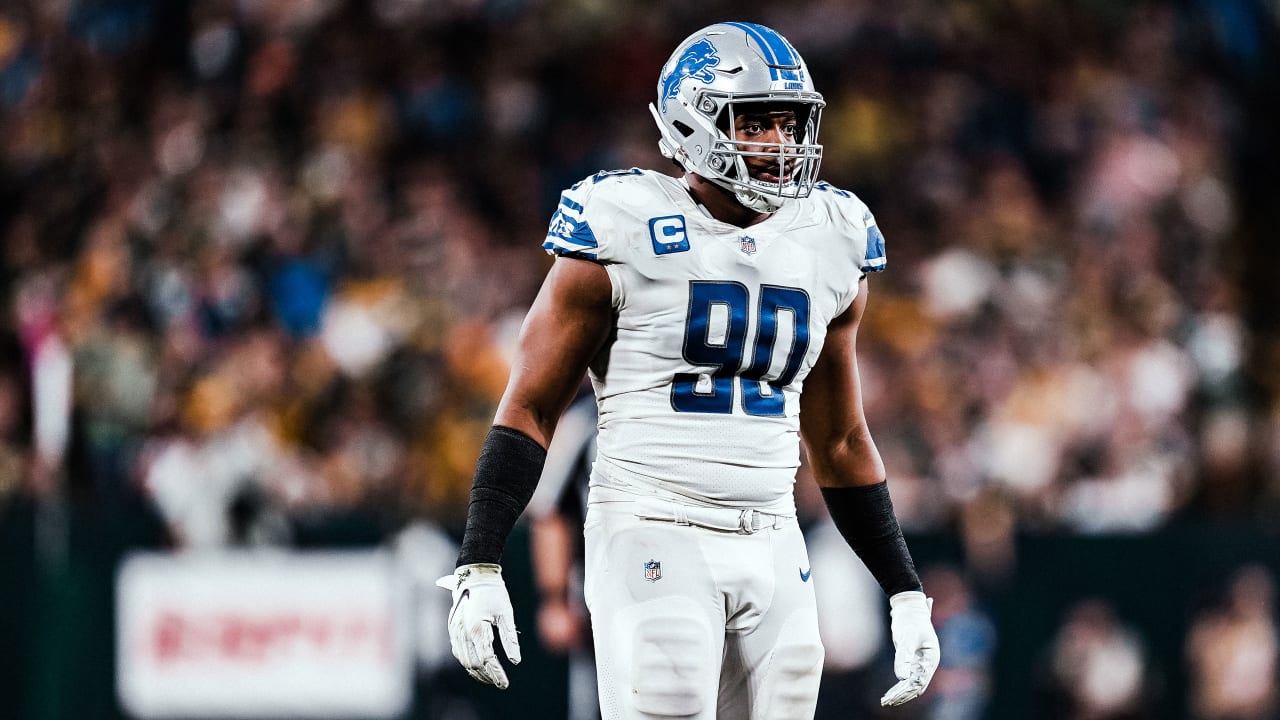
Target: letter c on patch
{"type": "Point", "coordinates": [668, 234]}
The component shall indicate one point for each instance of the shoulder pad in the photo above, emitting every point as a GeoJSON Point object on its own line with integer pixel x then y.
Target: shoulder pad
{"type": "Point", "coordinates": [854, 219]}
{"type": "Point", "coordinates": [570, 232]}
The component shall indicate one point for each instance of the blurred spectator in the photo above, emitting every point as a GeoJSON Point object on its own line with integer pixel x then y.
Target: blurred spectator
{"type": "Point", "coordinates": [1097, 668]}
{"type": "Point", "coordinates": [1233, 651]}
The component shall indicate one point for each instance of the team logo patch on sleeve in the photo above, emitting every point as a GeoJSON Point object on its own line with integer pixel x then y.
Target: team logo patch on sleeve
{"type": "Point", "coordinates": [653, 571]}
{"type": "Point", "coordinates": [668, 234]}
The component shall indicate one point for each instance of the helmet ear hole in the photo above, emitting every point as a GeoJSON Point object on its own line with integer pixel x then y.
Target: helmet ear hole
{"type": "Point", "coordinates": [683, 129]}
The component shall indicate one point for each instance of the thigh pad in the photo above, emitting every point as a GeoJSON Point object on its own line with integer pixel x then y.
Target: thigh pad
{"type": "Point", "coordinates": [672, 662]}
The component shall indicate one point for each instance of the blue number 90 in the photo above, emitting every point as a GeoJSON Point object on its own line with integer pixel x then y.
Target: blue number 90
{"type": "Point", "coordinates": [726, 353]}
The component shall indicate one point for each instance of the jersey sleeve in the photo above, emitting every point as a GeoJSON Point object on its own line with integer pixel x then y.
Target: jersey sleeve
{"type": "Point", "coordinates": [570, 233]}
{"type": "Point", "coordinates": [873, 257]}
{"type": "Point", "coordinates": [580, 227]}
{"type": "Point", "coordinates": [853, 222]}
{"type": "Point", "coordinates": [859, 242]}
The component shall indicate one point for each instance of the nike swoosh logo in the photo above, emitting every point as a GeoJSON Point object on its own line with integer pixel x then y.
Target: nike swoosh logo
{"type": "Point", "coordinates": [804, 574]}
{"type": "Point", "coordinates": [466, 593]}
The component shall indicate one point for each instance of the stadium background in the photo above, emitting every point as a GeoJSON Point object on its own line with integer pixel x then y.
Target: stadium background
{"type": "Point", "coordinates": [277, 251]}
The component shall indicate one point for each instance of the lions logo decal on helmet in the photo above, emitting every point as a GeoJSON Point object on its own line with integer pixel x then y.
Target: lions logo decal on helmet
{"type": "Point", "coordinates": [696, 62]}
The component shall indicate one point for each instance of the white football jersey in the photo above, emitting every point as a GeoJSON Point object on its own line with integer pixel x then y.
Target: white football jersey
{"type": "Point", "coordinates": [716, 328]}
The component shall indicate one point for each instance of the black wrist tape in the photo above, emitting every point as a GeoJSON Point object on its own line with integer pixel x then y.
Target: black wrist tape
{"type": "Point", "coordinates": [864, 516]}
{"type": "Point", "coordinates": [508, 470]}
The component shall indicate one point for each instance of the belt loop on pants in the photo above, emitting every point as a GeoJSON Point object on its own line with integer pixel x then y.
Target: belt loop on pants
{"type": "Point", "coordinates": [751, 521]}
{"type": "Point", "coordinates": [680, 515]}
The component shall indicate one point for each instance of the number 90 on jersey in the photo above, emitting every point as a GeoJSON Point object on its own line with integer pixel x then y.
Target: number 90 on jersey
{"type": "Point", "coordinates": [715, 336]}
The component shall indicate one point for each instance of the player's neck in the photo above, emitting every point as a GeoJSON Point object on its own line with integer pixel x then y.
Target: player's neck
{"type": "Point", "coordinates": [721, 203]}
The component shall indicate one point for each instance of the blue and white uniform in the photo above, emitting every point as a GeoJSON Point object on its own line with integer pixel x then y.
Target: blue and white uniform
{"type": "Point", "coordinates": [697, 576]}
{"type": "Point", "coordinates": [717, 327]}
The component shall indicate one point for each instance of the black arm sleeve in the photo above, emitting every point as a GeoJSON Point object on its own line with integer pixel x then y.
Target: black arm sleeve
{"type": "Point", "coordinates": [508, 470]}
{"type": "Point", "coordinates": [864, 516]}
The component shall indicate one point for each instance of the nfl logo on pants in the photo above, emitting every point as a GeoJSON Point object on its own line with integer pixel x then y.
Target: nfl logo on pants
{"type": "Point", "coordinates": [653, 571]}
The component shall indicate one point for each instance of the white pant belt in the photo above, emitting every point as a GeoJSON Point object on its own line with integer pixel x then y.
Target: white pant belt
{"type": "Point", "coordinates": [744, 521]}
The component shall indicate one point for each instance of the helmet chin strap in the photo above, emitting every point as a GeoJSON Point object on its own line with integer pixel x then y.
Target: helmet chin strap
{"type": "Point", "coordinates": [758, 202]}
{"type": "Point", "coordinates": [753, 200]}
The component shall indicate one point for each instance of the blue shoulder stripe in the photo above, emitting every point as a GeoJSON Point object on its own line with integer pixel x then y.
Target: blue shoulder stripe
{"type": "Point", "coordinates": [555, 249]}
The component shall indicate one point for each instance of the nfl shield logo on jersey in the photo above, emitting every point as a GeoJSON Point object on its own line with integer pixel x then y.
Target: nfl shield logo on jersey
{"type": "Point", "coordinates": [747, 245]}
{"type": "Point", "coordinates": [653, 571]}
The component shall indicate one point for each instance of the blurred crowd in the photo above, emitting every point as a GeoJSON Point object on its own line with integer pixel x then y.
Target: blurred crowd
{"type": "Point", "coordinates": [264, 260]}
{"type": "Point", "coordinates": [1099, 665]}
{"type": "Point", "coordinates": [281, 247]}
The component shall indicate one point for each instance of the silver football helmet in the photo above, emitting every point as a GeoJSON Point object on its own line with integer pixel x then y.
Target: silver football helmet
{"type": "Point", "coordinates": [704, 86]}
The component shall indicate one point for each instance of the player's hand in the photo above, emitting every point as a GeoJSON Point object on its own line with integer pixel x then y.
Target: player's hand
{"type": "Point", "coordinates": [915, 646]}
{"type": "Point", "coordinates": [481, 604]}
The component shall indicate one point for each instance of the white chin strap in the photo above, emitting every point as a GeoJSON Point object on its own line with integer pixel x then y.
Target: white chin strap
{"type": "Point", "coordinates": [750, 199]}
{"type": "Point", "coordinates": [758, 202]}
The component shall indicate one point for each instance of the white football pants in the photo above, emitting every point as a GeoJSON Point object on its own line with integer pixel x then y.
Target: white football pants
{"type": "Point", "coordinates": [695, 622]}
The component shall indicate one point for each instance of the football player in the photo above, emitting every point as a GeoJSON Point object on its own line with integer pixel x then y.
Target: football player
{"type": "Point", "coordinates": [702, 306]}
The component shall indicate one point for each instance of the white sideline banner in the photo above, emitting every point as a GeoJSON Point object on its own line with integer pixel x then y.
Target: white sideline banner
{"type": "Point", "coordinates": [261, 635]}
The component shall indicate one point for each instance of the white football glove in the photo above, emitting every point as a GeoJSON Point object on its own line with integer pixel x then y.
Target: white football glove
{"type": "Point", "coordinates": [480, 604]}
{"type": "Point", "coordinates": [915, 646]}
